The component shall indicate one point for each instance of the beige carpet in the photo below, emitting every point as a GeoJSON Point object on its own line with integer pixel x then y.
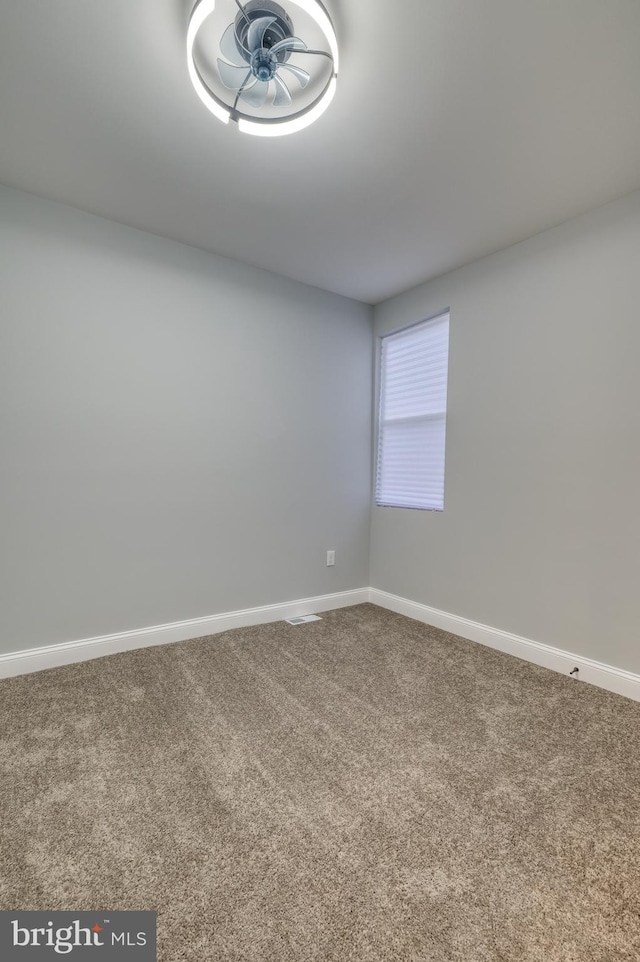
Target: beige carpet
{"type": "Point", "coordinates": [359, 788]}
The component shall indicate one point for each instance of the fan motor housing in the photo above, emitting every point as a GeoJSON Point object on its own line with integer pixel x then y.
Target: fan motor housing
{"type": "Point", "coordinates": [280, 29]}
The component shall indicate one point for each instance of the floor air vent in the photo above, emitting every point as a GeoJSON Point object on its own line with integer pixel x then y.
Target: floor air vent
{"type": "Point", "coordinates": [302, 620]}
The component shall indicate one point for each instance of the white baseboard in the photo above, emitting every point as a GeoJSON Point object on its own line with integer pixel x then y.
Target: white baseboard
{"type": "Point", "coordinates": [52, 656]}
{"type": "Point", "coordinates": [595, 672]}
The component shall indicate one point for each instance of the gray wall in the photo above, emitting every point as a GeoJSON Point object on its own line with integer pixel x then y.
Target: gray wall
{"type": "Point", "coordinates": [540, 534]}
{"type": "Point", "coordinates": [180, 434]}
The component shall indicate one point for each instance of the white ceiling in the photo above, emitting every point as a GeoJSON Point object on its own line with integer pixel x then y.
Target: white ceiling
{"type": "Point", "coordinates": [459, 127]}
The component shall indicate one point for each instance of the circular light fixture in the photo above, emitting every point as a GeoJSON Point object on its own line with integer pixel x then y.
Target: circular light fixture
{"type": "Point", "coordinates": [247, 63]}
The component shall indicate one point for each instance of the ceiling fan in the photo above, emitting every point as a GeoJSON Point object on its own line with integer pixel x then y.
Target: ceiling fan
{"type": "Point", "coordinates": [262, 74]}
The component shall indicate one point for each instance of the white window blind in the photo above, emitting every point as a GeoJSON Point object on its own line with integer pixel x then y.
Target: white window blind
{"type": "Point", "coordinates": [412, 419]}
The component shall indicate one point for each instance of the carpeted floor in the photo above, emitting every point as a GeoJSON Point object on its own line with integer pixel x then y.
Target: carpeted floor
{"type": "Point", "coordinates": [359, 788]}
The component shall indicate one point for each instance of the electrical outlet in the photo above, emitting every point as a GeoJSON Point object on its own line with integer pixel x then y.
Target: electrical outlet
{"type": "Point", "coordinates": [331, 558]}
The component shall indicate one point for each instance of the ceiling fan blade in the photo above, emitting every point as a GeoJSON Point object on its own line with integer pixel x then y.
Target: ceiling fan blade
{"type": "Point", "coordinates": [301, 75]}
{"type": "Point", "coordinates": [282, 97]}
{"type": "Point", "coordinates": [229, 47]}
{"type": "Point", "coordinates": [256, 95]}
{"type": "Point", "coordinates": [233, 77]}
{"type": "Point", "coordinates": [256, 32]}
{"type": "Point", "coordinates": [289, 43]}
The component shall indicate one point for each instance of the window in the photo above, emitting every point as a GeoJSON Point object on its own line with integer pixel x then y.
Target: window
{"type": "Point", "coordinates": [413, 412]}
